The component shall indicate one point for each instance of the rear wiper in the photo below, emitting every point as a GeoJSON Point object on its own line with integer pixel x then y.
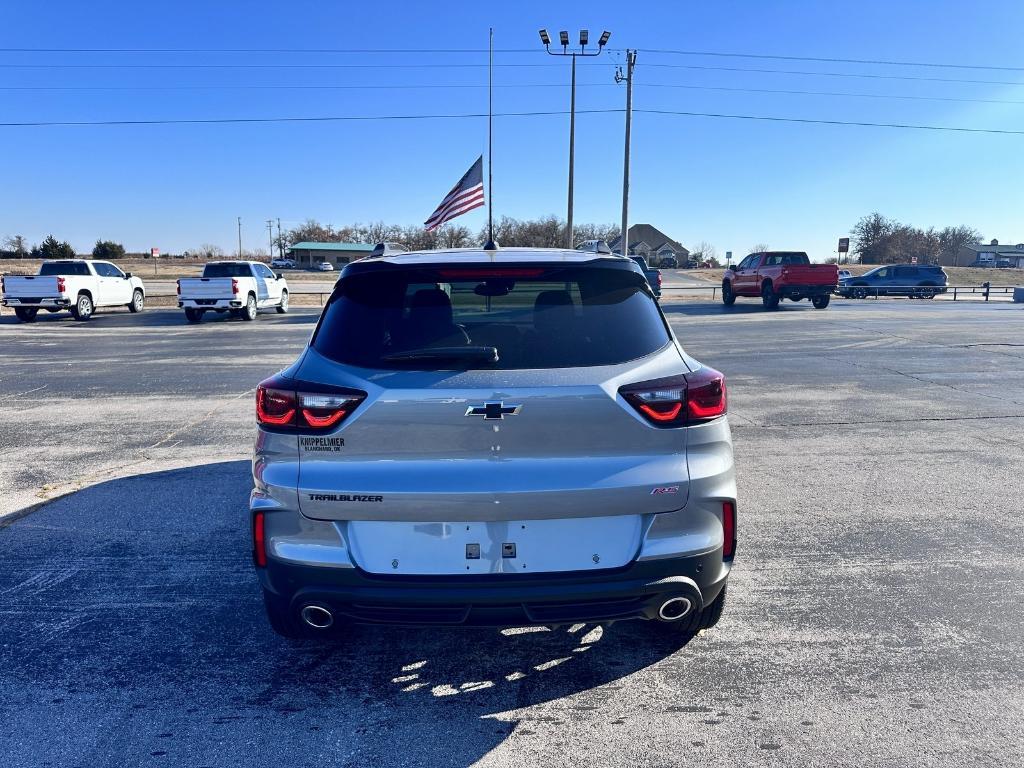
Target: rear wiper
{"type": "Point", "coordinates": [481, 354]}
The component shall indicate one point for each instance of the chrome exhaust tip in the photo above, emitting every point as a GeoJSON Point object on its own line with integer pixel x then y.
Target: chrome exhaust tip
{"type": "Point", "coordinates": [317, 616]}
{"type": "Point", "coordinates": [675, 608]}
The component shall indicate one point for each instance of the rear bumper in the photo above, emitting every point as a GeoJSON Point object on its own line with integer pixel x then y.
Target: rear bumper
{"type": "Point", "coordinates": [210, 303]}
{"type": "Point", "coordinates": [804, 291]}
{"type": "Point", "coordinates": [36, 302]}
{"type": "Point", "coordinates": [634, 592]}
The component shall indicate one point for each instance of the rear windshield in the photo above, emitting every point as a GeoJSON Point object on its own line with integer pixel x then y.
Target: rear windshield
{"type": "Point", "coordinates": [63, 268]}
{"type": "Point", "coordinates": [775, 259]}
{"type": "Point", "coordinates": [227, 270]}
{"type": "Point", "coordinates": [526, 317]}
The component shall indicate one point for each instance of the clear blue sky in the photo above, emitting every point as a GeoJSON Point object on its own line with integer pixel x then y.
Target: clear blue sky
{"type": "Point", "coordinates": [730, 182]}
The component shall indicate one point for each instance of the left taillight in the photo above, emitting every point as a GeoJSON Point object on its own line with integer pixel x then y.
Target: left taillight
{"type": "Point", "coordinates": [259, 540]}
{"type": "Point", "coordinates": [676, 401]}
{"type": "Point", "coordinates": [60, 285]}
{"type": "Point", "coordinates": [295, 406]}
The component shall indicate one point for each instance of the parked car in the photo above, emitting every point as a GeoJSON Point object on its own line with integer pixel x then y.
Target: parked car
{"type": "Point", "coordinates": [777, 275]}
{"type": "Point", "coordinates": [239, 287]}
{"type": "Point", "coordinates": [1004, 264]}
{"type": "Point", "coordinates": [653, 275]}
{"type": "Point", "coordinates": [915, 281]}
{"type": "Point", "coordinates": [669, 262]}
{"type": "Point", "coordinates": [324, 266]}
{"type": "Point", "coordinates": [845, 274]}
{"type": "Point", "coordinates": [78, 285]}
{"type": "Point", "coordinates": [492, 437]}
{"type": "Point", "coordinates": [283, 263]}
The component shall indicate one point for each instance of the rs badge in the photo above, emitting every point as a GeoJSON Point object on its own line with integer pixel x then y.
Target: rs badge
{"type": "Point", "coordinates": [664, 489]}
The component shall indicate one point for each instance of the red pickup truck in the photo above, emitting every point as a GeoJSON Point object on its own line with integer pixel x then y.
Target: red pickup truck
{"type": "Point", "coordinates": [777, 275]}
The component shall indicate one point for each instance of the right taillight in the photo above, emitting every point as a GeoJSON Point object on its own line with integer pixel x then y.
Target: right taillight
{"type": "Point", "coordinates": [290, 406]}
{"type": "Point", "coordinates": [728, 529]}
{"type": "Point", "coordinates": [679, 400]}
{"type": "Point", "coordinates": [234, 286]}
{"type": "Point", "coordinates": [60, 285]}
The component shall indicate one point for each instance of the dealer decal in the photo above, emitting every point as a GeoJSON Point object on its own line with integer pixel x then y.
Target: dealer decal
{"type": "Point", "coordinates": [343, 497]}
{"type": "Point", "coordinates": [322, 444]}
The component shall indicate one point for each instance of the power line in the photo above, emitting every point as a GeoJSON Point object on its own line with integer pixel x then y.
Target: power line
{"type": "Point", "coordinates": [459, 86]}
{"type": "Point", "coordinates": [367, 118]}
{"type": "Point", "coordinates": [416, 65]}
{"type": "Point", "coordinates": [857, 123]}
{"type": "Point", "coordinates": [832, 60]}
{"type": "Point", "coordinates": [844, 94]}
{"type": "Point", "coordinates": [393, 51]}
{"type": "Point", "coordinates": [862, 75]}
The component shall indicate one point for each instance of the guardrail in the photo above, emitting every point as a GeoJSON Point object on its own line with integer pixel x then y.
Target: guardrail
{"type": "Point", "coordinates": [957, 291]}
{"type": "Point", "coordinates": [984, 291]}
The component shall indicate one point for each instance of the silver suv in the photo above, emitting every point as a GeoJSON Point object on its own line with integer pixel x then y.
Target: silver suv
{"type": "Point", "coordinates": [499, 438]}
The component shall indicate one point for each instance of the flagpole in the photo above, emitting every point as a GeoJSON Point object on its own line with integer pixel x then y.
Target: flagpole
{"type": "Point", "coordinates": [490, 245]}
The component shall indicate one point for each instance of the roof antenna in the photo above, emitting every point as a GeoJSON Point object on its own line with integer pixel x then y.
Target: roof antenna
{"type": "Point", "coordinates": [490, 245]}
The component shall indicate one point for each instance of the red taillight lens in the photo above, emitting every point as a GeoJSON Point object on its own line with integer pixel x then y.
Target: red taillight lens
{"type": "Point", "coordinates": [60, 285]}
{"type": "Point", "coordinates": [234, 285]}
{"type": "Point", "coordinates": [728, 529]}
{"type": "Point", "coordinates": [289, 406]}
{"type": "Point", "coordinates": [679, 400]}
{"type": "Point", "coordinates": [706, 396]}
{"type": "Point", "coordinates": [659, 279]}
{"type": "Point", "coordinates": [259, 541]}
{"type": "Point", "coordinates": [274, 406]}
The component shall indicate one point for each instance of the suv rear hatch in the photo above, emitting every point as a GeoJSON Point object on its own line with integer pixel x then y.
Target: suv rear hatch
{"type": "Point", "coordinates": [492, 435]}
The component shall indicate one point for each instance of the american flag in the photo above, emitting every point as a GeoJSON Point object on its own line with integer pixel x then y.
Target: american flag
{"type": "Point", "coordinates": [465, 196]}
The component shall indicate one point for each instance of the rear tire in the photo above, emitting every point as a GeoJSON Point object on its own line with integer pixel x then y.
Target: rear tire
{"type": "Point", "coordinates": [249, 310]}
{"type": "Point", "coordinates": [926, 292]}
{"type": "Point", "coordinates": [282, 308]}
{"type": "Point", "coordinates": [193, 315]}
{"type": "Point", "coordinates": [820, 302]}
{"type": "Point", "coordinates": [769, 298]}
{"type": "Point", "coordinates": [83, 308]}
{"type": "Point", "coordinates": [26, 314]}
{"type": "Point", "coordinates": [859, 292]}
{"type": "Point", "coordinates": [138, 302]}
{"type": "Point", "coordinates": [281, 619]}
{"type": "Point", "coordinates": [728, 297]}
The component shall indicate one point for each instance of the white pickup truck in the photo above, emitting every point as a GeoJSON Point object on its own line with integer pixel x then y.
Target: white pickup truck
{"type": "Point", "coordinates": [77, 284]}
{"type": "Point", "coordinates": [240, 287]}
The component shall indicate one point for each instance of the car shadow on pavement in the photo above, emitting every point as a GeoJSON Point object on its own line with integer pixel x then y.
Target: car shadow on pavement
{"type": "Point", "coordinates": [134, 602]}
{"type": "Point", "coordinates": [159, 318]}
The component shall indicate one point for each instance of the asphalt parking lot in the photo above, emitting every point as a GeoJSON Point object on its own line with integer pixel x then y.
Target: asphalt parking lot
{"type": "Point", "coordinates": [874, 615]}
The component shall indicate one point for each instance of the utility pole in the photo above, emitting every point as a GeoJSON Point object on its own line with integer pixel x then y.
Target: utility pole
{"type": "Point", "coordinates": [239, 237]}
{"type": "Point", "coordinates": [563, 39]}
{"type": "Point", "coordinates": [280, 243]}
{"type": "Point", "coordinates": [270, 234]}
{"type": "Point", "coordinates": [630, 63]}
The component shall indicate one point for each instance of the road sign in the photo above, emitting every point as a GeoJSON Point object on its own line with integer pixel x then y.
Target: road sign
{"type": "Point", "coordinates": [154, 252]}
{"type": "Point", "coordinates": [913, 259]}
{"type": "Point", "coordinates": [844, 245]}
{"type": "Point", "coordinates": [728, 257]}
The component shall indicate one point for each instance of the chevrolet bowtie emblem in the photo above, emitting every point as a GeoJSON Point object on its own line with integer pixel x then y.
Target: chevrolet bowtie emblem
{"type": "Point", "coordinates": [493, 410]}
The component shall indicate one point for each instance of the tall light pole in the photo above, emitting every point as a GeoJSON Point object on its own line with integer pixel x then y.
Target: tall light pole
{"type": "Point", "coordinates": [270, 233]}
{"type": "Point", "coordinates": [280, 243]}
{"type": "Point", "coordinates": [563, 40]}
{"type": "Point", "coordinates": [630, 63]}
{"type": "Point", "coordinates": [239, 237]}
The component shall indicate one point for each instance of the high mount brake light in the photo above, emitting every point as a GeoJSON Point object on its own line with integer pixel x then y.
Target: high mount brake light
{"type": "Point", "coordinates": [485, 272]}
{"type": "Point", "coordinates": [287, 406]}
{"type": "Point", "coordinates": [691, 398]}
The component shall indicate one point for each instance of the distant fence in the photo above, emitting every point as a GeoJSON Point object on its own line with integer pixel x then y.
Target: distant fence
{"type": "Point", "coordinates": [953, 292]}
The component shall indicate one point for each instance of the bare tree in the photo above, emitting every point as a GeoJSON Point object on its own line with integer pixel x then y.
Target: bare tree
{"type": "Point", "coordinates": [953, 239]}
{"type": "Point", "coordinates": [759, 248]}
{"type": "Point", "coordinates": [16, 245]}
